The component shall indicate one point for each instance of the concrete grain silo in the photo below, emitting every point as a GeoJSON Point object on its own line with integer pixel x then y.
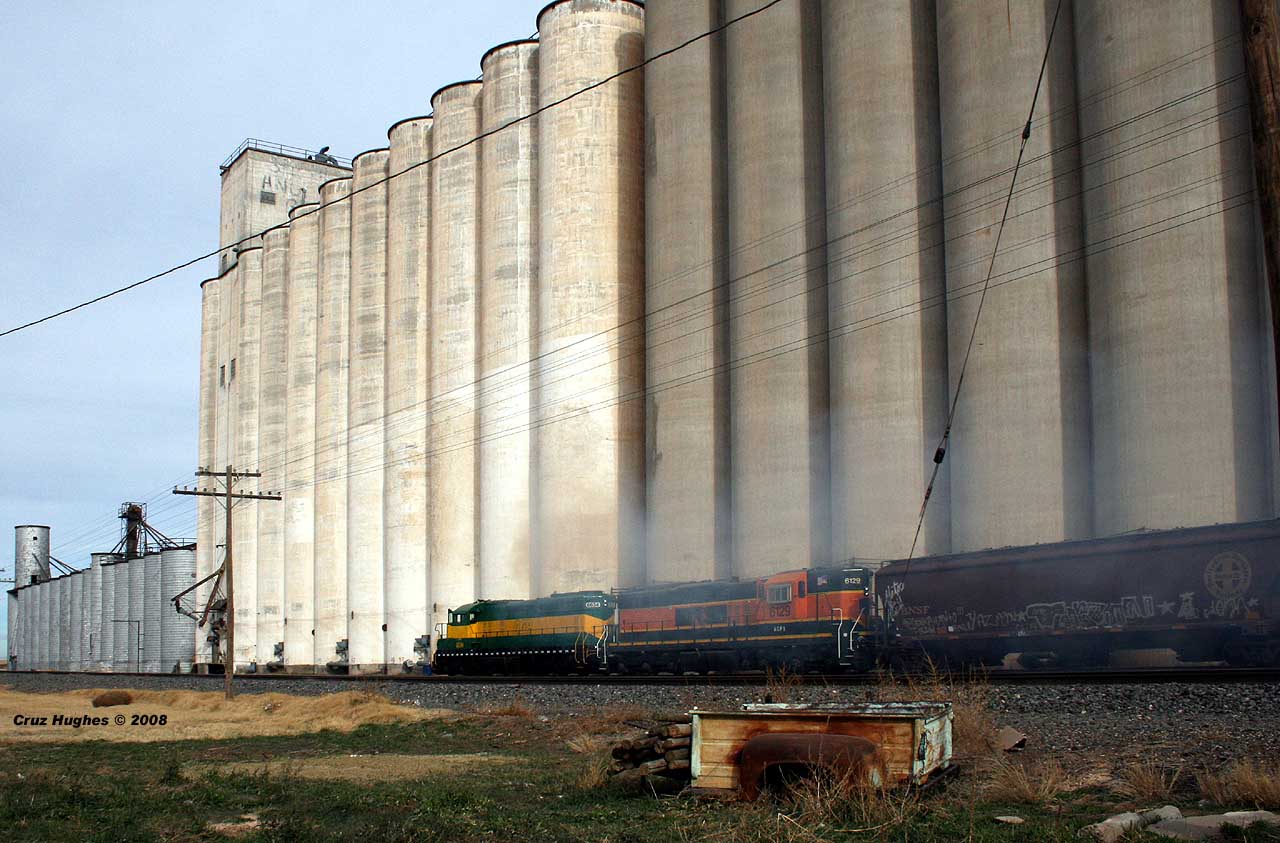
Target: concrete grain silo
{"type": "Point", "coordinates": [778, 288]}
{"type": "Point", "coordinates": [1019, 454]}
{"type": "Point", "coordinates": [75, 634]}
{"type": "Point", "coordinates": [177, 631]}
{"type": "Point", "coordinates": [107, 627]}
{"type": "Point", "coordinates": [407, 377]}
{"type": "Point", "coordinates": [366, 399]}
{"type": "Point", "coordinates": [137, 609]}
{"type": "Point", "coordinates": [589, 376]}
{"type": "Point", "coordinates": [508, 276]}
{"type": "Point", "coordinates": [1175, 299]}
{"type": "Point", "coordinates": [151, 613]}
{"type": "Point", "coordinates": [273, 459]}
{"type": "Point", "coordinates": [885, 270]}
{"type": "Point", "coordinates": [30, 554]}
{"type": "Point", "coordinates": [300, 440]}
{"type": "Point", "coordinates": [454, 227]}
{"type": "Point", "coordinates": [686, 294]}
{"type": "Point", "coordinates": [208, 510]}
{"type": "Point", "coordinates": [334, 275]}
{"type": "Point", "coordinates": [244, 415]}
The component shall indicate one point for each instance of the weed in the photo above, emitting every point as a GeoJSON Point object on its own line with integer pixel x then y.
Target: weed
{"type": "Point", "coordinates": [515, 708]}
{"type": "Point", "coordinates": [1246, 783]}
{"type": "Point", "coordinates": [1024, 783]}
{"type": "Point", "coordinates": [780, 684]}
{"type": "Point", "coordinates": [1146, 781]}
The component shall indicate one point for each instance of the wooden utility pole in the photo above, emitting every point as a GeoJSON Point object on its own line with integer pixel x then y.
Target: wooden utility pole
{"type": "Point", "coordinates": [1261, 27]}
{"type": "Point", "coordinates": [229, 478]}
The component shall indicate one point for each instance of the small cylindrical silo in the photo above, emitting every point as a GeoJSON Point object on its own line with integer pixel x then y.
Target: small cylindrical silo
{"type": "Point", "coordinates": [1173, 266]}
{"type": "Point", "coordinates": [589, 374]}
{"type": "Point", "coordinates": [120, 618]}
{"type": "Point", "coordinates": [273, 461]}
{"type": "Point", "coordinates": [886, 287]}
{"type": "Point", "coordinates": [137, 610]}
{"type": "Point", "coordinates": [405, 490]}
{"type": "Point", "coordinates": [151, 609]}
{"type": "Point", "coordinates": [331, 419]}
{"type": "Point", "coordinates": [30, 554]}
{"type": "Point", "coordinates": [366, 397]}
{"type": "Point", "coordinates": [106, 648]}
{"type": "Point", "coordinates": [454, 227]}
{"type": "Point", "coordinates": [207, 509]}
{"type": "Point", "coordinates": [508, 274]}
{"type": "Point", "coordinates": [177, 631]}
{"type": "Point", "coordinates": [778, 287]}
{"type": "Point", "coordinates": [1019, 454]}
{"type": "Point", "coordinates": [244, 517]}
{"type": "Point", "coordinates": [300, 440]}
{"type": "Point", "coordinates": [75, 593]}
{"type": "Point", "coordinates": [687, 326]}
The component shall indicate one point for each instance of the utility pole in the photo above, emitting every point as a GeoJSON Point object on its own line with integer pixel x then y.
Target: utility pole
{"type": "Point", "coordinates": [229, 496]}
{"type": "Point", "coordinates": [1260, 23]}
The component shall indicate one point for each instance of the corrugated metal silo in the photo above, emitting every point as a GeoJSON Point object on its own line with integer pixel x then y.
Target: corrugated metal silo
{"type": "Point", "coordinates": [75, 629]}
{"type": "Point", "coordinates": [331, 420]}
{"type": "Point", "coordinates": [405, 493]}
{"type": "Point", "coordinates": [273, 460]}
{"type": "Point", "coordinates": [245, 438]}
{"type": "Point", "coordinates": [589, 376]}
{"type": "Point", "coordinates": [151, 609]}
{"type": "Point", "coordinates": [778, 288]}
{"type": "Point", "coordinates": [57, 623]}
{"type": "Point", "coordinates": [686, 348]}
{"type": "Point", "coordinates": [121, 638]}
{"type": "Point", "coordinates": [40, 633]}
{"type": "Point", "coordinates": [454, 221]}
{"type": "Point", "coordinates": [508, 274]}
{"type": "Point", "coordinates": [30, 554]}
{"type": "Point", "coordinates": [886, 288]}
{"type": "Point", "coordinates": [177, 632]}
{"type": "Point", "coordinates": [84, 599]}
{"type": "Point", "coordinates": [13, 623]}
{"type": "Point", "coordinates": [94, 601]}
{"type": "Point", "coordinates": [300, 439]}
{"type": "Point", "coordinates": [1174, 319]}
{"type": "Point", "coordinates": [107, 628]}
{"type": "Point", "coordinates": [366, 397]}
{"type": "Point", "coordinates": [137, 610]}
{"type": "Point", "coordinates": [1019, 453]}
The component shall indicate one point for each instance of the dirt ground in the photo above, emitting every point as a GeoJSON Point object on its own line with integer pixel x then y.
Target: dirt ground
{"type": "Point", "coordinates": [194, 715]}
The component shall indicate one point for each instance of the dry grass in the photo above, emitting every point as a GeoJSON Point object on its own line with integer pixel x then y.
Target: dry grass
{"type": "Point", "coordinates": [1146, 781]}
{"type": "Point", "coordinates": [973, 729]}
{"type": "Point", "coordinates": [1024, 783]}
{"type": "Point", "coordinates": [358, 768]}
{"type": "Point", "coordinates": [1246, 783]}
{"type": "Point", "coordinates": [515, 708]}
{"type": "Point", "coordinates": [780, 684]}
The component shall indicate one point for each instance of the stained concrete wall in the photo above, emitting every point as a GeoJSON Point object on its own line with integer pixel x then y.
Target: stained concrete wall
{"type": "Point", "coordinates": [207, 509]}
{"type": "Point", "coordinates": [247, 312]}
{"type": "Point", "coordinates": [273, 461]}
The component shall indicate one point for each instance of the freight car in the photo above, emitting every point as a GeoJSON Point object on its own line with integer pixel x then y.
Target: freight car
{"type": "Point", "coordinates": [1208, 593]}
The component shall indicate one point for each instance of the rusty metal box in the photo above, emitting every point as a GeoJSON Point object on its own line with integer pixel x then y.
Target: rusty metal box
{"type": "Point", "coordinates": [914, 738]}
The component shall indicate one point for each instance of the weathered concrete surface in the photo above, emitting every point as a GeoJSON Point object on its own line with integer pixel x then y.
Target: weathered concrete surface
{"type": "Point", "coordinates": [1174, 318]}
{"type": "Point", "coordinates": [508, 276]}
{"type": "Point", "coordinates": [778, 289]}
{"type": "Point", "coordinates": [273, 462]}
{"type": "Point", "coordinates": [244, 422]}
{"type": "Point", "coordinates": [885, 273]}
{"type": "Point", "coordinates": [1020, 441]}
{"type": "Point", "coordinates": [404, 504]}
{"type": "Point", "coordinates": [207, 509]}
{"type": "Point", "coordinates": [589, 378]}
{"type": "Point", "coordinates": [686, 295]}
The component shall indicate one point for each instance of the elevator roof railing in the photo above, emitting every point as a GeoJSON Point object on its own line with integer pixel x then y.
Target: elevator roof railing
{"type": "Point", "coordinates": [284, 149]}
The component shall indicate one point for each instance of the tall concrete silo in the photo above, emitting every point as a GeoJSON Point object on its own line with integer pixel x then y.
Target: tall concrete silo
{"type": "Point", "coordinates": [408, 297]}
{"type": "Point", "coordinates": [686, 295]}
{"type": "Point", "coordinates": [177, 632]}
{"type": "Point", "coordinates": [778, 281]}
{"type": "Point", "coordinates": [1174, 318]}
{"type": "Point", "coordinates": [454, 226]}
{"type": "Point", "coordinates": [94, 611]}
{"type": "Point", "coordinates": [30, 554]}
{"type": "Point", "coordinates": [589, 374]}
{"type": "Point", "coordinates": [886, 287]}
{"type": "Point", "coordinates": [273, 461]}
{"type": "Point", "coordinates": [366, 400]}
{"type": "Point", "coordinates": [105, 651]}
{"type": "Point", "coordinates": [1019, 454]}
{"type": "Point", "coordinates": [137, 611]}
{"type": "Point", "coordinates": [75, 632]}
{"type": "Point", "coordinates": [151, 613]}
{"type": "Point", "coordinates": [334, 275]}
{"type": "Point", "coordinates": [300, 439]}
{"type": "Point", "coordinates": [244, 516]}
{"type": "Point", "coordinates": [208, 509]}
{"type": "Point", "coordinates": [508, 279]}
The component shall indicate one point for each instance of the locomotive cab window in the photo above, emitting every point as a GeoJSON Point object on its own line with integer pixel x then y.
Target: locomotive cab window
{"type": "Point", "coordinates": [779, 593]}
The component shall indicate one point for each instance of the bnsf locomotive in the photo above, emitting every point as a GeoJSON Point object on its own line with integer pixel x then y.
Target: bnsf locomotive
{"type": "Point", "coordinates": [1208, 593]}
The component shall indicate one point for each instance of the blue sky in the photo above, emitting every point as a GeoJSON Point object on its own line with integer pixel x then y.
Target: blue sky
{"type": "Point", "coordinates": [114, 118]}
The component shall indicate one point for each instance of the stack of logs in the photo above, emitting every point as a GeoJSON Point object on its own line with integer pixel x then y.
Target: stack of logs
{"type": "Point", "coordinates": [662, 750]}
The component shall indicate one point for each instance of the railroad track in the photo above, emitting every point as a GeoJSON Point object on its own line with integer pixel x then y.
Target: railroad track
{"type": "Point", "coordinates": [998, 676]}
